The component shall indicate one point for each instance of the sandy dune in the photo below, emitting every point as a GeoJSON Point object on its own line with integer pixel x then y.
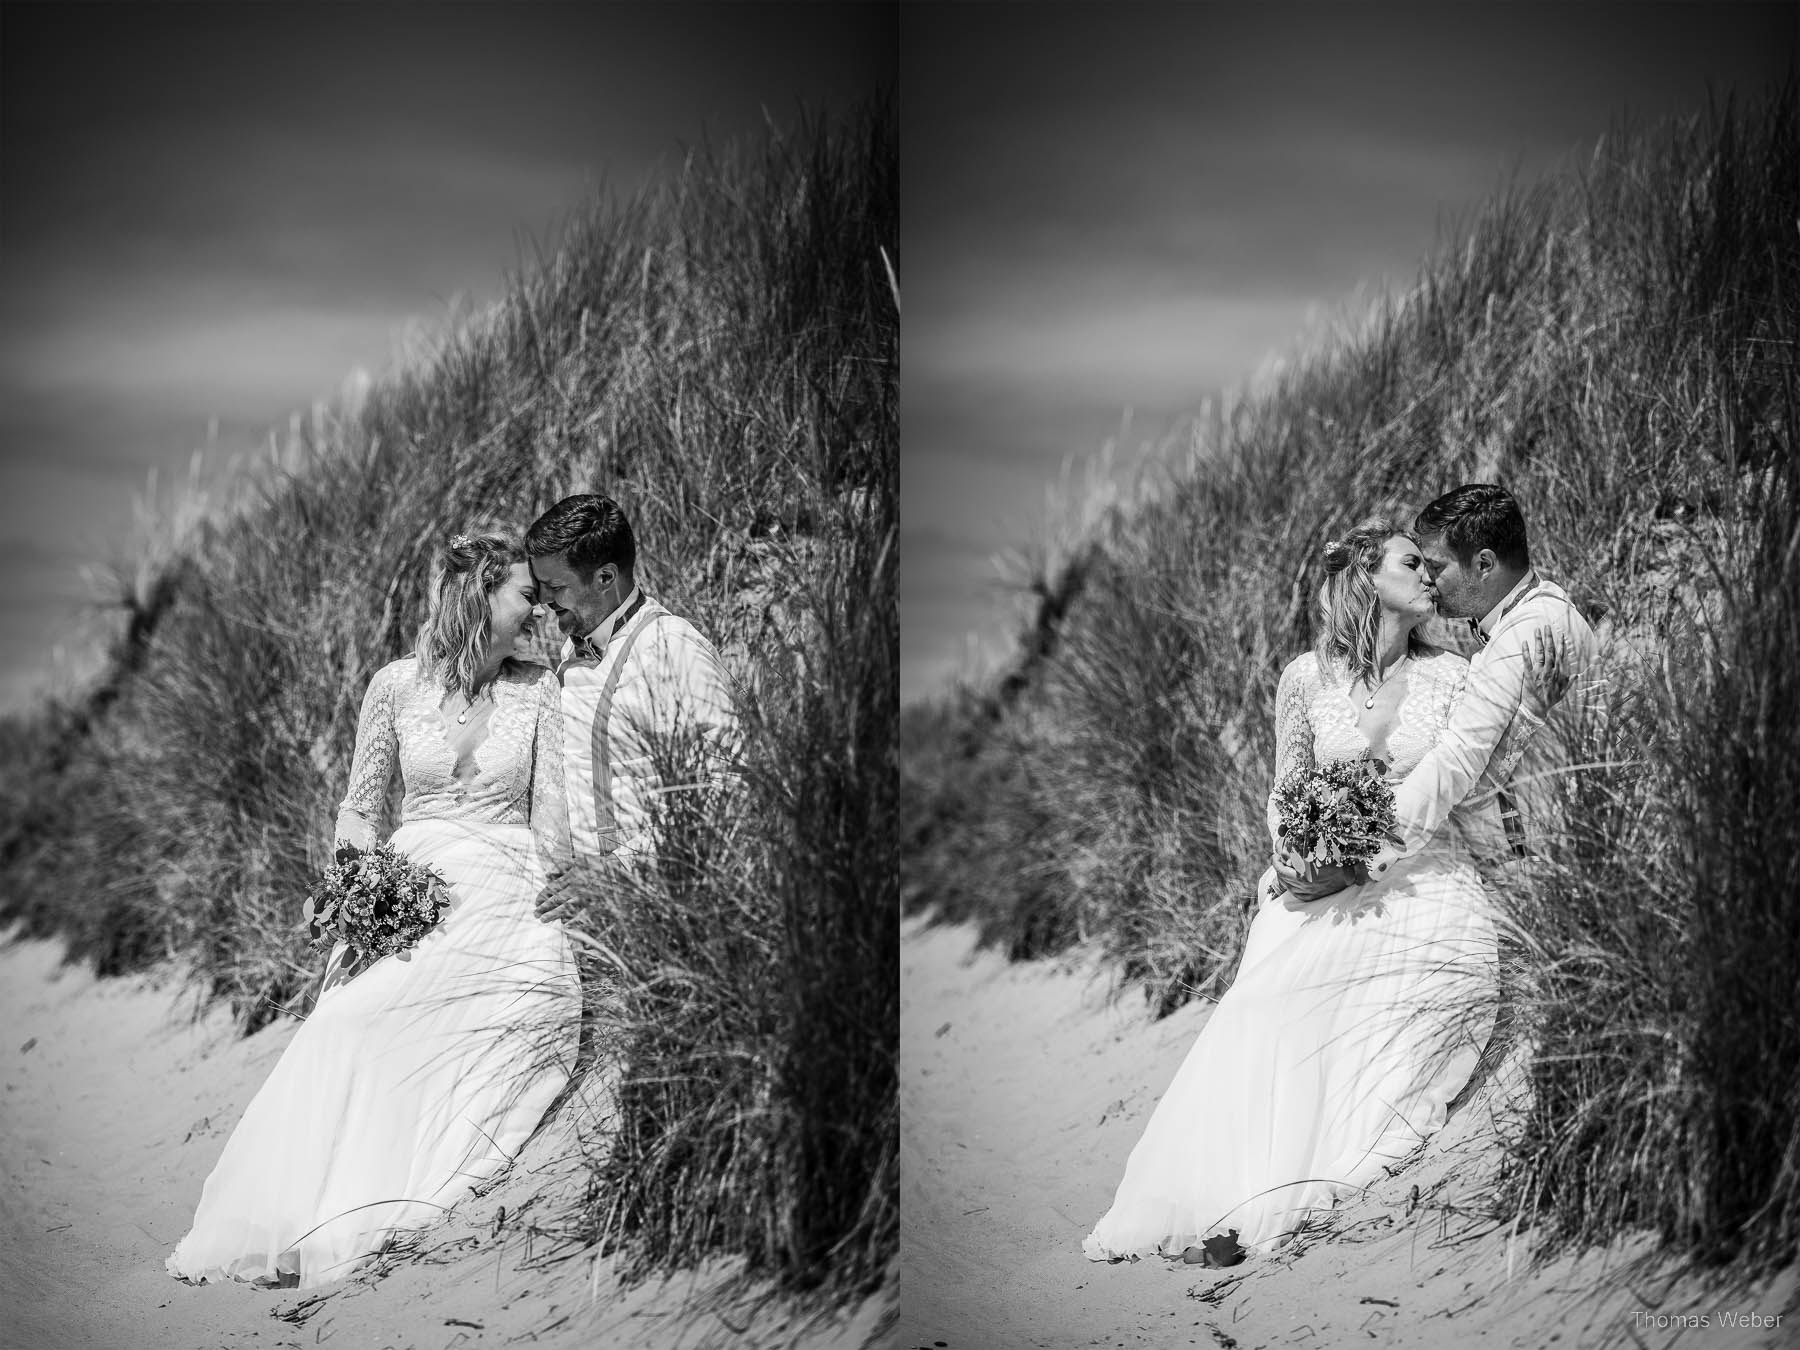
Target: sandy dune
{"type": "Point", "coordinates": [1022, 1092]}
{"type": "Point", "coordinates": [113, 1107]}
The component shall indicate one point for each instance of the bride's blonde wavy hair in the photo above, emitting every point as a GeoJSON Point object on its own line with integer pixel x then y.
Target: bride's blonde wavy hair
{"type": "Point", "coordinates": [1349, 611]}
{"type": "Point", "coordinates": [453, 640]}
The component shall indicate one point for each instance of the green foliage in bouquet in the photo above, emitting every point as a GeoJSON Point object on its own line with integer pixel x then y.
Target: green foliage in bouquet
{"type": "Point", "coordinates": [1336, 813]}
{"type": "Point", "coordinates": [377, 902]}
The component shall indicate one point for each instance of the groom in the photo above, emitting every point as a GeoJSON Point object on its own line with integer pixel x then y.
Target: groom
{"type": "Point", "coordinates": [1528, 644]}
{"type": "Point", "coordinates": [647, 707]}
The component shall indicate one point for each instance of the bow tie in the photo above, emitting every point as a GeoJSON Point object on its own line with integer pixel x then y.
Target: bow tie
{"type": "Point", "coordinates": [588, 650]}
{"type": "Point", "coordinates": [1480, 638]}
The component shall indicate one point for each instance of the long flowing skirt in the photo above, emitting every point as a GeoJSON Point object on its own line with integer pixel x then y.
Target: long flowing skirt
{"type": "Point", "coordinates": [409, 1084]}
{"type": "Point", "coordinates": [1352, 1024]}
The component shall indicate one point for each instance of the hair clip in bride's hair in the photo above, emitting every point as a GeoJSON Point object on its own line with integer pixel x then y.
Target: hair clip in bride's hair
{"type": "Point", "coordinates": [1338, 555]}
{"type": "Point", "coordinates": [461, 541]}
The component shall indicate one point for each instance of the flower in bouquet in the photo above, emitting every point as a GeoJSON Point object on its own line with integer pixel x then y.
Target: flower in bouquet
{"type": "Point", "coordinates": [376, 901]}
{"type": "Point", "coordinates": [1335, 814]}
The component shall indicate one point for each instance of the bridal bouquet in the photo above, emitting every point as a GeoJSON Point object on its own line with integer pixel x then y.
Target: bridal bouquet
{"type": "Point", "coordinates": [377, 902]}
{"type": "Point", "coordinates": [1335, 814]}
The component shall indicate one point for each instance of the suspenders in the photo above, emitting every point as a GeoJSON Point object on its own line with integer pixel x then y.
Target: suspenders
{"type": "Point", "coordinates": [606, 827]}
{"type": "Point", "coordinates": [1509, 805]}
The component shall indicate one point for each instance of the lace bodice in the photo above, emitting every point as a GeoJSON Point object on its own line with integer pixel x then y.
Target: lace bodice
{"type": "Point", "coordinates": [1315, 720]}
{"type": "Point", "coordinates": [513, 776]}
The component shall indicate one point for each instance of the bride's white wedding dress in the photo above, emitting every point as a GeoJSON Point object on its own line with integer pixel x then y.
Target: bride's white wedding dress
{"type": "Point", "coordinates": [1351, 1025]}
{"type": "Point", "coordinates": [425, 1073]}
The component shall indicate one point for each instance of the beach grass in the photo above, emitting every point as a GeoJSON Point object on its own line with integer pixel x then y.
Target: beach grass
{"type": "Point", "coordinates": [719, 354]}
{"type": "Point", "coordinates": [1618, 346]}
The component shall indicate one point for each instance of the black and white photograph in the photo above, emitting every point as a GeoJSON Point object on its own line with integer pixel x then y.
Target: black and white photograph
{"type": "Point", "coordinates": [450, 464]}
{"type": "Point", "coordinates": [573, 780]}
{"type": "Point", "coordinates": [1350, 650]}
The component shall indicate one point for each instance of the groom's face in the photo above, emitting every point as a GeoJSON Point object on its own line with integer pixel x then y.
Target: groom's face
{"type": "Point", "coordinates": [1461, 586]}
{"type": "Point", "coordinates": [579, 606]}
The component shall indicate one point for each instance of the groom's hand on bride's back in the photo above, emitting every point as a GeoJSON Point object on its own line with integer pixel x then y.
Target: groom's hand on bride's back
{"type": "Point", "coordinates": [568, 889]}
{"type": "Point", "coordinates": [561, 895]}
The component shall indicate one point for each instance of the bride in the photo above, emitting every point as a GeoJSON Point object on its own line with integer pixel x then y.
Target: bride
{"type": "Point", "coordinates": [422, 1075]}
{"type": "Point", "coordinates": [1354, 1019]}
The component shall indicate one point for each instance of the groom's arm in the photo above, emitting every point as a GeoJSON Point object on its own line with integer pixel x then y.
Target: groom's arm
{"type": "Point", "coordinates": [691, 732]}
{"type": "Point", "coordinates": [709, 704]}
{"type": "Point", "coordinates": [1501, 708]}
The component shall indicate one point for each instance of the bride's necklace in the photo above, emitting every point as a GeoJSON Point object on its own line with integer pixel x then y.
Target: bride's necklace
{"type": "Point", "coordinates": [486, 696]}
{"type": "Point", "coordinates": [1384, 679]}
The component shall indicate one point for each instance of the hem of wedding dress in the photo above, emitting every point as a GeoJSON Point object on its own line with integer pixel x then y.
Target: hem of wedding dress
{"type": "Point", "coordinates": [283, 1274]}
{"type": "Point", "coordinates": [1173, 1249]}
{"type": "Point", "coordinates": [230, 1273]}
{"type": "Point", "coordinates": [1295, 1220]}
{"type": "Point", "coordinates": [1376, 1160]}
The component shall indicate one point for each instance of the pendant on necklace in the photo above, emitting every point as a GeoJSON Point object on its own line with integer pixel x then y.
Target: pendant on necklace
{"type": "Point", "coordinates": [462, 718]}
{"type": "Point", "coordinates": [1376, 691]}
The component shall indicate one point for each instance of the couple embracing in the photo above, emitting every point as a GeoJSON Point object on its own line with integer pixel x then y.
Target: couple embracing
{"type": "Point", "coordinates": [524, 788]}
{"type": "Point", "coordinates": [1364, 996]}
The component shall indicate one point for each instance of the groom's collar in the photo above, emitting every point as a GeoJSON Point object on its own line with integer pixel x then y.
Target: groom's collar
{"type": "Point", "coordinates": [609, 627]}
{"type": "Point", "coordinates": [1520, 590]}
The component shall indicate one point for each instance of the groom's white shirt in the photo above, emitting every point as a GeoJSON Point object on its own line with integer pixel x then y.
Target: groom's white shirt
{"type": "Point", "coordinates": [1493, 734]}
{"type": "Point", "coordinates": [641, 680]}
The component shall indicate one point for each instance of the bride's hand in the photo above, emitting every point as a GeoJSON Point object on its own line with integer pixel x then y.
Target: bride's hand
{"type": "Point", "coordinates": [1302, 880]}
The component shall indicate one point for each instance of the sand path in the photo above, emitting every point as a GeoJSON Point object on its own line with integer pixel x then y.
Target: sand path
{"type": "Point", "coordinates": [1022, 1092]}
{"type": "Point", "coordinates": [114, 1104]}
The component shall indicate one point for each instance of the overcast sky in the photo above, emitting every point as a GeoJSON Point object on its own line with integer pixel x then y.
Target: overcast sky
{"type": "Point", "coordinates": [221, 212]}
{"type": "Point", "coordinates": [1115, 206]}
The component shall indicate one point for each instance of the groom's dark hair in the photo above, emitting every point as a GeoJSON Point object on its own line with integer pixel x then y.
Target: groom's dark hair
{"type": "Point", "coordinates": [1477, 516]}
{"type": "Point", "coordinates": [589, 530]}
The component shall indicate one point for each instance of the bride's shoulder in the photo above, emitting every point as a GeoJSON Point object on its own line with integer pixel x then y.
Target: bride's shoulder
{"type": "Point", "coordinates": [1300, 665]}
{"type": "Point", "coordinates": [1442, 661]}
{"type": "Point", "coordinates": [526, 674]}
{"type": "Point", "coordinates": [529, 683]}
{"type": "Point", "coordinates": [1302, 672]}
{"type": "Point", "coordinates": [395, 673]}
{"type": "Point", "coordinates": [1442, 667]}
{"type": "Point", "coordinates": [388, 685]}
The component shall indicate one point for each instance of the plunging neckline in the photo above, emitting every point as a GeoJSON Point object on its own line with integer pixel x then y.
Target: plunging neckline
{"type": "Point", "coordinates": [1352, 707]}
{"type": "Point", "coordinates": [464, 768]}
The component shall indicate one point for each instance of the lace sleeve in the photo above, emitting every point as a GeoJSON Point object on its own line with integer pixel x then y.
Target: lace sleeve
{"type": "Point", "coordinates": [1293, 732]}
{"type": "Point", "coordinates": [549, 801]}
{"type": "Point", "coordinates": [362, 816]}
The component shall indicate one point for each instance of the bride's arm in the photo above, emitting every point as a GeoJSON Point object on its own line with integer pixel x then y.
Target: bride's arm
{"type": "Point", "coordinates": [362, 816]}
{"type": "Point", "coordinates": [549, 800]}
{"type": "Point", "coordinates": [1293, 734]}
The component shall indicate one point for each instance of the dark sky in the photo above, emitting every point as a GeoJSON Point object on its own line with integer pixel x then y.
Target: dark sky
{"type": "Point", "coordinates": [1117, 206]}
{"type": "Point", "coordinates": [222, 212]}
